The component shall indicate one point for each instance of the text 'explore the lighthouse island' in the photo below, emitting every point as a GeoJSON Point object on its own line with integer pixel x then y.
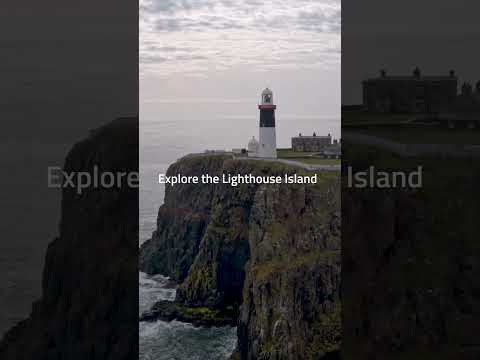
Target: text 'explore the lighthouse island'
{"type": "Point", "coordinates": [237, 179]}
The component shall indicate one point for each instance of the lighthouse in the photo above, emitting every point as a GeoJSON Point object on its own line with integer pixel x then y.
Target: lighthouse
{"type": "Point", "coordinates": [267, 143]}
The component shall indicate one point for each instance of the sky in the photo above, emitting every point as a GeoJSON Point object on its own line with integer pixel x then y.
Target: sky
{"type": "Point", "coordinates": [214, 57]}
{"type": "Point", "coordinates": [437, 36]}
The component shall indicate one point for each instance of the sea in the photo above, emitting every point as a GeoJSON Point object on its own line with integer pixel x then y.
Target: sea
{"type": "Point", "coordinates": [162, 142]}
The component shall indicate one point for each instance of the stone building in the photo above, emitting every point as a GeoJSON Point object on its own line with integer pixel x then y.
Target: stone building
{"type": "Point", "coordinates": [409, 94]}
{"type": "Point", "coordinates": [331, 152]}
{"type": "Point", "coordinates": [465, 110]}
{"type": "Point", "coordinates": [311, 143]}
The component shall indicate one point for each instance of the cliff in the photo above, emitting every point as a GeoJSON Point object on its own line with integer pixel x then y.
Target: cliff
{"type": "Point", "coordinates": [411, 269]}
{"type": "Point", "coordinates": [181, 222]}
{"type": "Point", "coordinates": [273, 250]}
{"type": "Point", "coordinates": [89, 303]}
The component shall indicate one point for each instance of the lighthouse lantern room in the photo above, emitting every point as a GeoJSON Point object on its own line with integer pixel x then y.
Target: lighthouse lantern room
{"type": "Point", "coordinates": [267, 147]}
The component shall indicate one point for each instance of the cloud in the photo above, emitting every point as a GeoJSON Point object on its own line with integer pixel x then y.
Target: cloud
{"type": "Point", "coordinates": [319, 21]}
{"type": "Point", "coordinates": [196, 35]}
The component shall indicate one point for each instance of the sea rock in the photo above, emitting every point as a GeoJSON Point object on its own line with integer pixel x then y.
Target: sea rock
{"type": "Point", "coordinates": [200, 316]}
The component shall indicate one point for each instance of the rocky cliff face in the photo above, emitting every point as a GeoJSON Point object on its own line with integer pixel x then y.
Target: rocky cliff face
{"type": "Point", "coordinates": [89, 303]}
{"type": "Point", "coordinates": [291, 306]}
{"type": "Point", "coordinates": [411, 269]}
{"type": "Point", "coordinates": [274, 249]}
{"type": "Point", "coordinates": [181, 222]}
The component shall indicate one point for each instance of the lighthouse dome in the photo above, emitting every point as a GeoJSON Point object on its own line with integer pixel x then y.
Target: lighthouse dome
{"type": "Point", "coordinates": [253, 146]}
{"type": "Point", "coordinates": [267, 91]}
{"type": "Point", "coordinates": [267, 97]}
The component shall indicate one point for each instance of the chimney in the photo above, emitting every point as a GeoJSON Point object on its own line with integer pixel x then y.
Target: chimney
{"type": "Point", "coordinates": [417, 73]}
{"type": "Point", "coordinates": [466, 89]}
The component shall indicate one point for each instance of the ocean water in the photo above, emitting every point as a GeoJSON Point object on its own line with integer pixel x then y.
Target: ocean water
{"type": "Point", "coordinates": [175, 340]}
{"type": "Point", "coordinates": [162, 142]}
{"type": "Point", "coordinates": [29, 223]}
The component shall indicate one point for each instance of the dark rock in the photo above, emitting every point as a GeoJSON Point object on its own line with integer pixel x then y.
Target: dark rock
{"type": "Point", "coordinates": [235, 356]}
{"type": "Point", "coordinates": [181, 222]}
{"type": "Point", "coordinates": [411, 265]}
{"type": "Point", "coordinates": [89, 303]}
{"type": "Point", "coordinates": [169, 311]}
{"type": "Point", "coordinates": [291, 307]}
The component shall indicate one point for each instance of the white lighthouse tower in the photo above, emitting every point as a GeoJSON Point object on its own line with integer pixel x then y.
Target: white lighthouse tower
{"type": "Point", "coordinates": [267, 147]}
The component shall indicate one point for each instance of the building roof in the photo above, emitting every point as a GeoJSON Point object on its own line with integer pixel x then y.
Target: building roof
{"type": "Point", "coordinates": [412, 78]}
{"type": "Point", "coordinates": [312, 137]}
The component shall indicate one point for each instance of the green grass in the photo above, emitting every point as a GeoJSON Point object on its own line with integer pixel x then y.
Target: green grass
{"type": "Point", "coordinates": [317, 161]}
{"type": "Point", "coordinates": [206, 314]}
{"type": "Point", "coordinates": [305, 157]}
{"type": "Point", "coordinates": [418, 134]}
{"type": "Point", "coordinates": [289, 153]}
{"type": "Point", "coordinates": [398, 127]}
{"type": "Point", "coordinates": [202, 311]}
{"type": "Point", "coordinates": [264, 271]}
{"type": "Point", "coordinates": [327, 333]}
{"type": "Point", "coordinates": [352, 118]}
{"type": "Point", "coordinates": [433, 168]}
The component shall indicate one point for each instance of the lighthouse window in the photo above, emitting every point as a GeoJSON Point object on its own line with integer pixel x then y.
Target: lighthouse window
{"type": "Point", "coordinates": [268, 98]}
